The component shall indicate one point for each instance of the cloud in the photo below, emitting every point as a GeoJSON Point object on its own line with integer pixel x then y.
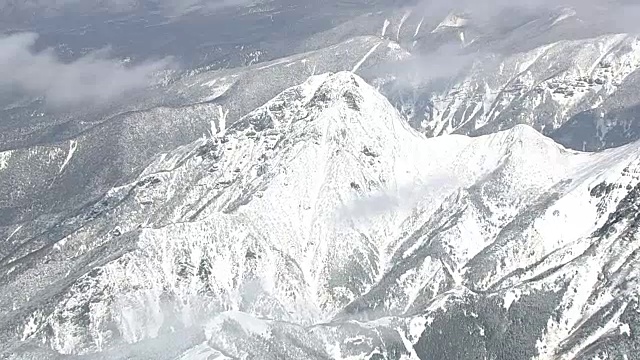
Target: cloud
{"type": "Point", "coordinates": [91, 79]}
{"type": "Point", "coordinates": [405, 197]}
{"type": "Point", "coordinates": [442, 63]}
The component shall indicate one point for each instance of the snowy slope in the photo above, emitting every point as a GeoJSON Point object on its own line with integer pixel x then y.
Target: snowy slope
{"type": "Point", "coordinates": [322, 226]}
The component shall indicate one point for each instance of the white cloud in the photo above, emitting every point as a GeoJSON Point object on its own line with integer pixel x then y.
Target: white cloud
{"type": "Point", "coordinates": [405, 197]}
{"type": "Point", "coordinates": [91, 79]}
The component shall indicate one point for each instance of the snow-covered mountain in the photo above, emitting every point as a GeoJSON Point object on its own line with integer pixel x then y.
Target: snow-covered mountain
{"type": "Point", "coordinates": [322, 226]}
{"type": "Point", "coordinates": [405, 184]}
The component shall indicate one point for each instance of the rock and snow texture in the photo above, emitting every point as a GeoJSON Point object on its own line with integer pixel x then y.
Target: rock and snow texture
{"type": "Point", "coordinates": [322, 226]}
{"type": "Point", "coordinates": [575, 99]}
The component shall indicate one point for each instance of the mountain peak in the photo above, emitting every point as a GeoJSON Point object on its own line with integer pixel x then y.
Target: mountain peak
{"type": "Point", "coordinates": [341, 97]}
{"type": "Point", "coordinates": [452, 21]}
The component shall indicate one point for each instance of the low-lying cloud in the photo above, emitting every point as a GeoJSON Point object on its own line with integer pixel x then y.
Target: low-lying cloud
{"type": "Point", "coordinates": [444, 62]}
{"type": "Point", "coordinates": [402, 198]}
{"type": "Point", "coordinates": [91, 79]}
